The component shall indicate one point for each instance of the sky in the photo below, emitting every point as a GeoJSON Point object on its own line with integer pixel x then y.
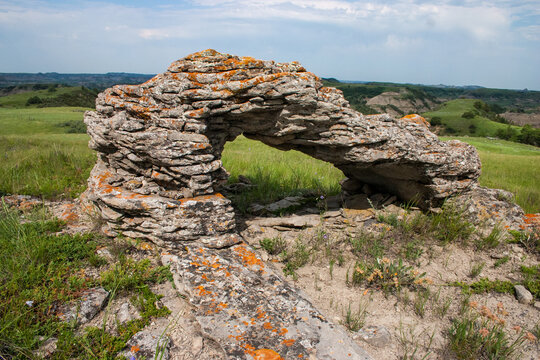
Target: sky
{"type": "Point", "coordinates": [492, 43]}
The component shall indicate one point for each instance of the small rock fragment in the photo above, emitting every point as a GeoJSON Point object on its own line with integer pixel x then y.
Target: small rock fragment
{"type": "Point", "coordinates": [148, 344]}
{"type": "Point", "coordinates": [523, 295]}
{"type": "Point", "coordinates": [376, 335]}
{"type": "Point", "coordinates": [84, 310]}
{"type": "Point", "coordinates": [47, 348]}
{"type": "Point", "coordinates": [127, 313]}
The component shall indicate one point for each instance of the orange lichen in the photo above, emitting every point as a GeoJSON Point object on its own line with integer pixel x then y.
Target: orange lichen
{"type": "Point", "coordinates": [266, 354]}
{"type": "Point", "coordinates": [288, 342]}
{"type": "Point", "coordinates": [268, 326]}
{"type": "Point", "coordinates": [203, 291]}
{"type": "Point", "coordinates": [415, 118]}
{"type": "Point", "coordinates": [248, 257]}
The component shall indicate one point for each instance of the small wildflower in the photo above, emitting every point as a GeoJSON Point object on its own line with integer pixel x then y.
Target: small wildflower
{"type": "Point", "coordinates": [473, 304]}
{"type": "Point", "coordinates": [517, 328]}
{"type": "Point", "coordinates": [30, 303]}
{"type": "Point", "coordinates": [529, 336]}
{"type": "Point", "coordinates": [366, 292]}
{"type": "Point", "coordinates": [322, 197]}
{"type": "Point", "coordinates": [386, 260]}
{"type": "Point", "coordinates": [501, 321]}
{"type": "Point", "coordinates": [484, 332]}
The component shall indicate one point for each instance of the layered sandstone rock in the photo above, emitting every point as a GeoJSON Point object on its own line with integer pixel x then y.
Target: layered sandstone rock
{"type": "Point", "coordinates": [159, 143]}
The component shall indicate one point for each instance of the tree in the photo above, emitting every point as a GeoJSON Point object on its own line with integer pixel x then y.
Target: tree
{"type": "Point", "coordinates": [468, 115]}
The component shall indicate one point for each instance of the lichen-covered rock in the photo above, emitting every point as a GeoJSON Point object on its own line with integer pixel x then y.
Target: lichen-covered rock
{"type": "Point", "coordinates": [84, 310]}
{"type": "Point", "coordinates": [159, 144]}
{"type": "Point", "coordinates": [251, 311]}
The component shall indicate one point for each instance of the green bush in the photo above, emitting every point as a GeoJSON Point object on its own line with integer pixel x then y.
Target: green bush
{"type": "Point", "coordinates": [468, 115]}
{"type": "Point", "coordinates": [436, 120]}
{"type": "Point", "coordinates": [34, 100]}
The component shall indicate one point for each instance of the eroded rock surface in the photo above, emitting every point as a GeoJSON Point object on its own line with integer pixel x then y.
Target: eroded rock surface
{"type": "Point", "coordinates": [159, 143]}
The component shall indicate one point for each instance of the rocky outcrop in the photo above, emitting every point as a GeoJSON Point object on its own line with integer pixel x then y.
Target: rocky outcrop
{"type": "Point", "coordinates": [159, 144]}
{"type": "Point", "coordinates": [251, 311]}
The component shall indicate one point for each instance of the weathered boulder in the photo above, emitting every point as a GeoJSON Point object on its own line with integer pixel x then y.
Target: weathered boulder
{"type": "Point", "coordinates": [159, 144]}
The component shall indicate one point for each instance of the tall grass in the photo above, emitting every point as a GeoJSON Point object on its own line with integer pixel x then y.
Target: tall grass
{"type": "Point", "coordinates": [45, 165]}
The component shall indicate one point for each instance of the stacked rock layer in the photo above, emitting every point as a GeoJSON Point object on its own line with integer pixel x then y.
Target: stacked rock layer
{"type": "Point", "coordinates": [159, 144]}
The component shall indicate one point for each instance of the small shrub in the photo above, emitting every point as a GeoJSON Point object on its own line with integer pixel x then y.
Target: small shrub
{"type": "Point", "coordinates": [413, 250]}
{"type": "Point", "coordinates": [472, 338]}
{"type": "Point", "coordinates": [387, 275]}
{"type": "Point", "coordinates": [436, 120]}
{"type": "Point", "coordinates": [129, 274]}
{"type": "Point", "coordinates": [296, 259]}
{"type": "Point", "coordinates": [450, 225]}
{"type": "Point", "coordinates": [273, 246]}
{"type": "Point", "coordinates": [390, 219]}
{"type": "Point", "coordinates": [34, 100]}
{"type": "Point", "coordinates": [485, 285]}
{"type": "Point", "coordinates": [530, 240]}
{"type": "Point", "coordinates": [492, 240]}
{"type": "Point", "coordinates": [468, 115]}
{"type": "Point", "coordinates": [73, 126]}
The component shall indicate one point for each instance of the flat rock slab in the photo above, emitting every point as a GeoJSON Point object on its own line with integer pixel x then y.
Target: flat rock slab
{"type": "Point", "coordinates": [251, 311]}
{"type": "Point", "coordinates": [293, 221]}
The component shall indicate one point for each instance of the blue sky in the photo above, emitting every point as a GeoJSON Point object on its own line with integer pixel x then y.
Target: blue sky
{"type": "Point", "coordinates": [456, 42]}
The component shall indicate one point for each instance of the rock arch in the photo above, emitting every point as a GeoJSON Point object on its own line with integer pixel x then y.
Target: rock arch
{"type": "Point", "coordinates": [159, 144]}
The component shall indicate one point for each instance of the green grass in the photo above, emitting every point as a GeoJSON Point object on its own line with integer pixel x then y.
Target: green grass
{"type": "Point", "coordinates": [277, 173]}
{"type": "Point", "coordinates": [450, 114]}
{"type": "Point", "coordinates": [39, 267]}
{"type": "Point", "coordinates": [38, 120]}
{"type": "Point", "coordinates": [510, 166]}
{"type": "Point", "coordinates": [40, 158]}
{"type": "Point", "coordinates": [48, 165]}
{"type": "Point", "coordinates": [41, 271]}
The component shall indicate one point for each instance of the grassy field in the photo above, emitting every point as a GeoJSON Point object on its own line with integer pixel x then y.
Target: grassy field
{"type": "Point", "coordinates": [450, 114]}
{"type": "Point", "coordinates": [40, 157]}
{"type": "Point", "coordinates": [510, 166]}
{"type": "Point", "coordinates": [28, 121]}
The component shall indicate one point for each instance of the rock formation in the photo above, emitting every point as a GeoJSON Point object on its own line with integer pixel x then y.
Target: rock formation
{"type": "Point", "coordinates": [159, 144]}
